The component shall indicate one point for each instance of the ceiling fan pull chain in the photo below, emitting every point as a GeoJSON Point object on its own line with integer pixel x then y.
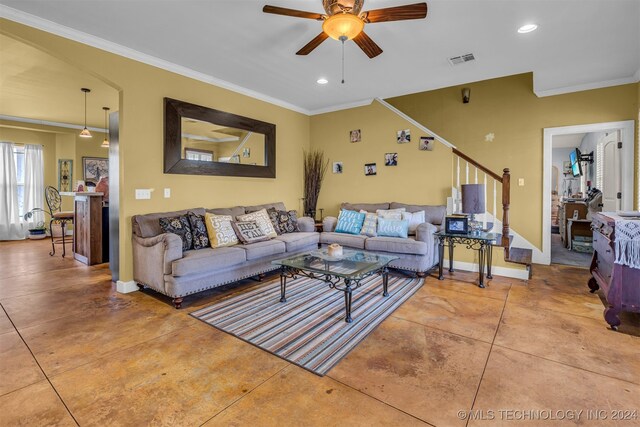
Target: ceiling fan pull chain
{"type": "Point", "coordinates": [342, 39]}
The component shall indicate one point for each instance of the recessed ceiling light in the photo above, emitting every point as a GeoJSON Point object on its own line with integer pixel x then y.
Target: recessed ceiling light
{"type": "Point", "coordinates": [527, 28]}
{"type": "Point", "coordinates": [322, 81]}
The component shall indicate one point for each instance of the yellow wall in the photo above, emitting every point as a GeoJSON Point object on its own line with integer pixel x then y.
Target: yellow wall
{"type": "Point", "coordinates": [142, 89]}
{"type": "Point", "coordinates": [421, 177]}
{"type": "Point", "coordinates": [508, 108]}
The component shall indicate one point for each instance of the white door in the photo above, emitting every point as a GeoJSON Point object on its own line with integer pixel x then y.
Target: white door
{"type": "Point", "coordinates": [610, 171]}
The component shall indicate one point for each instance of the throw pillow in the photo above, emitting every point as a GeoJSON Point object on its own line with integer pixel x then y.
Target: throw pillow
{"type": "Point", "coordinates": [178, 225]}
{"type": "Point", "coordinates": [283, 221]}
{"type": "Point", "coordinates": [393, 228]}
{"type": "Point", "coordinates": [263, 220]}
{"type": "Point", "coordinates": [370, 224]}
{"type": "Point", "coordinates": [248, 232]}
{"type": "Point", "coordinates": [415, 219]}
{"type": "Point", "coordinates": [391, 213]}
{"type": "Point", "coordinates": [350, 222]}
{"type": "Point", "coordinates": [220, 230]}
{"type": "Point", "coordinates": [198, 230]}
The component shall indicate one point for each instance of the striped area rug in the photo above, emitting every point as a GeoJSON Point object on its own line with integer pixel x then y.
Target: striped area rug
{"type": "Point", "coordinates": [309, 329]}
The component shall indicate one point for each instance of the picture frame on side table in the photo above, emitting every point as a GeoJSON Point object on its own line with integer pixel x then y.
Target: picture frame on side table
{"type": "Point", "coordinates": [456, 224]}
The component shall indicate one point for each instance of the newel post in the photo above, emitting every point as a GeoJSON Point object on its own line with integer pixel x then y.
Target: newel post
{"type": "Point", "coordinates": [506, 200]}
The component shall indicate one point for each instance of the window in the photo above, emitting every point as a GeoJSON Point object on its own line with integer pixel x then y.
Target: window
{"type": "Point", "coordinates": [18, 156]}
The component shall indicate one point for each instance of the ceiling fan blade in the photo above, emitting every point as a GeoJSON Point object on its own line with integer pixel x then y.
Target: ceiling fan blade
{"type": "Point", "coordinates": [367, 45]}
{"type": "Point", "coordinates": [398, 13]}
{"type": "Point", "coordinates": [313, 44]}
{"type": "Point", "coordinates": [292, 12]}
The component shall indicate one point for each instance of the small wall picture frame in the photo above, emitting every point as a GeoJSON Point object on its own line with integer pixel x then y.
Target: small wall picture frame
{"type": "Point", "coordinates": [370, 169]}
{"type": "Point", "coordinates": [355, 135]}
{"type": "Point", "coordinates": [426, 143]}
{"type": "Point", "coordinates": [391, 159]}
{"type": "Point", "coordinates": [246, 152]}
{"type": "Point", "coordinates": [456, 225]}
{"type": "Point", "coordinates": [403, 136]}
{"type": "Point", "coordinates": [65, 175]}
{"type": "Point", "coordinates": [337, 167]}
{"type": "Point", "coordinates": [566, 167]}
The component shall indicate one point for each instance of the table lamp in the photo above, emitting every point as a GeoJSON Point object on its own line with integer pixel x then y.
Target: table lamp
{"type": "Point", "coordinates": [473, 203]}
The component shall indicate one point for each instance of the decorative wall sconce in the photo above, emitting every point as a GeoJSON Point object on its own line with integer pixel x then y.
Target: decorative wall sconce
{"type": "Point", "coordinates": [466, 94]}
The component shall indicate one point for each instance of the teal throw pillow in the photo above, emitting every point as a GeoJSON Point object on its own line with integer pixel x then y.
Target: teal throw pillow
{"type": "Point", "coordinates": [392, 228]}
{"type": "Point", "coordinates": [350, 222]}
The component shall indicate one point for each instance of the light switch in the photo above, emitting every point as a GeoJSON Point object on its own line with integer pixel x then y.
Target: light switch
{"type": "Point", "coordinates": [521, 182]}
{"type": "Point", "coordinates": [167, 193]}
{"type": "Point", "coordinates": [143, 194]}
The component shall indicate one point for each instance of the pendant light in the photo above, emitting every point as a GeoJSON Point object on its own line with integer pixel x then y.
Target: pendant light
{"type": "Point", "coordinates": [85, 132]}
{"type": "Point", "coordinates": [105, 143]}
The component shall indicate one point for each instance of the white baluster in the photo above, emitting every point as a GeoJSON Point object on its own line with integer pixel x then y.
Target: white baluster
{"type": "Point", "coordinates": [495, 197]}
{"type": "Point", "coordinates": [467, 173]}
{"type": "Point", "coordinates": [476, 175]}
{"type": "Point", "coordinates": [484, 215]}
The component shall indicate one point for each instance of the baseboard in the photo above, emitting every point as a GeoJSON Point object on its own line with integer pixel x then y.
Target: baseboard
{"type": "Point", "coordinates": [126, 287]}
{"type": "Point", "coordinates": [514, 273]}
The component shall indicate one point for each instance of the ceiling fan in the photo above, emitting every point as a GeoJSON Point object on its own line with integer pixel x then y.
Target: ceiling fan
{"type": "Point", "coordinates": [344, 21]}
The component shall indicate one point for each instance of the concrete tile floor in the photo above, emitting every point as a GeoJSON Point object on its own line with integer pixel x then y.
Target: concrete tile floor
{"type": "Point", "coordinates": [75, 352]}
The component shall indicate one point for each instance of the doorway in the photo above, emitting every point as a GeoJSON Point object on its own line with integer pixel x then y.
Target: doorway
{"type": "Point", "coordinates": [566, 198]}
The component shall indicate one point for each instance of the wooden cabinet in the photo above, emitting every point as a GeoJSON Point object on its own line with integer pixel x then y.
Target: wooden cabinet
{"type": "Point", "coordinates": [87, 235]}
{"type": "Point", "coordinates": [620, 283]}
{"type": "Point", "coordinates": [565, 213]}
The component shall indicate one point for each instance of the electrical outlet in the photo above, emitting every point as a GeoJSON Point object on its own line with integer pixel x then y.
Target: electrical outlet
{"type": "Point", "coordinates": [167, 193]}
{"type": "Point", "coordinates": [521, 182]}
{"type": "Point", "coordinates": [143, 194]}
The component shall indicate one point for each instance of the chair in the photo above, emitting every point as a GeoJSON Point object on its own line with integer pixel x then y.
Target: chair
{"type": "Point", "coordinates": [57, 216]}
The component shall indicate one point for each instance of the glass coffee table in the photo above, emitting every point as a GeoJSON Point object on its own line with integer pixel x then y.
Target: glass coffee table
{"type": "Point", "coordinates": [344, 273]}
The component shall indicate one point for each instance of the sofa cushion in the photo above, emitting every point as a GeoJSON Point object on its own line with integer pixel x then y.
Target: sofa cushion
{"type": "Point", "coordinates": [350, 222]}
{"type": "Point", "coordinates": [415, 219]}
{"type": "Point", "coordinates": [264, 249]}
{"type": "Point", "coordinates": [393, 228]}
{"type": "Point", "coordinates": [220, 230]}
{"type": "Point", "coordinates": [396, 245]}
{"type": "Point", "coordinates": [369, 207]}
{"type": "Point", "coordinates": [207, 259]}
{"type": "Point", "coordinates": [433, 213]}
{"type": "Point", "coordinates": [390, 213]}
{"type": "Point", "coordinates": [148, 225]}
{"type": "Point", "coordinates": [263, 220]}
{"type": "Point", "coordinates": [279, 206]}
{"type": "Point", "coordinates": [234, 211]}
{"type": "Point", "coordinates": [350, 240]}
{"type": "Point", "coordinates": [370, 225]}
{"type": "Point", "coordinates": [283, 221]}
{"type": "Point", "coordinates": [297, 241]}
{"type": "Point", "coordinates": [198, 231]}
{"type": "Point", "coordinates": [180, 226]}
{"type": "Point", "coordinates": [248, 231]}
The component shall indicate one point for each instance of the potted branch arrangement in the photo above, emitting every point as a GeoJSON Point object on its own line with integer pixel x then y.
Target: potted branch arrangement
{"type": "Point", "coordinates": [315, 167]}
{"type": "Point", "coordinates": [39, 231]}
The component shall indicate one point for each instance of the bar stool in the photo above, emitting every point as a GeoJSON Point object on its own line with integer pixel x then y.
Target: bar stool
{"type": "Point", "coordinates": [58, 217]}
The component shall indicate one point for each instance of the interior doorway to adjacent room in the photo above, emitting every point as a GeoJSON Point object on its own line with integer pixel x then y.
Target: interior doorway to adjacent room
{"type": "Point", "coordinates": [587, 168]}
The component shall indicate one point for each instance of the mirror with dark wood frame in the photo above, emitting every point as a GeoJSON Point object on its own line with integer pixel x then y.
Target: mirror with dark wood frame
{"type": "Point", "coordinates": [204, 141]}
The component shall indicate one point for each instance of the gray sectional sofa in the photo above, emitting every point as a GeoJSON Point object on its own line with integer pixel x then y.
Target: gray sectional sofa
{"type": "Point", "coordinates": [160, 264]}
{"type": "Point", "coordinates": [417, 253]}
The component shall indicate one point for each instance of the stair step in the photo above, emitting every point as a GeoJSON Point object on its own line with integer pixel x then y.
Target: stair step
{"type": "Point", "coordinates": [519, 256]}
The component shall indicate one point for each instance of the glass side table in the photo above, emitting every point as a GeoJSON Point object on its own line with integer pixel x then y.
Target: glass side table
{"type": "Point", "coordinates": [482, 242]}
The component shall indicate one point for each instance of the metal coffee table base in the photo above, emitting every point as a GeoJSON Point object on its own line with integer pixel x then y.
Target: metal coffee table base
{"type": "Point", "coordinates": [347, 286]}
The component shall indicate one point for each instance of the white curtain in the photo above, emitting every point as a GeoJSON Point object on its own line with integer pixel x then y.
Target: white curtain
{"type": "Point", "coordinates": [33, 183]}
{"type": "Point", "coordinates": [10, 225]}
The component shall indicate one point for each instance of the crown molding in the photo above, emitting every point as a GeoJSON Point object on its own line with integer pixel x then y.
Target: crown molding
{"type": "Point", "coordinates": [588, 86]}
{"type": "Point", "coordinates": [100, 43]}
{"type": "Point", "coordinates": [334, 108]}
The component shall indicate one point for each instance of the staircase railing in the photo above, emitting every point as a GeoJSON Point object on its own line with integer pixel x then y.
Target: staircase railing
{"type": "Point", "coordinates": [504, 180]}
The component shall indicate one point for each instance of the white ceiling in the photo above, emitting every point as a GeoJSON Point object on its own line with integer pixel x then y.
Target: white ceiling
{"type": "Point", "coordinates": [567, 141]}
{"type": "Point", "coordinates": [579, 44]}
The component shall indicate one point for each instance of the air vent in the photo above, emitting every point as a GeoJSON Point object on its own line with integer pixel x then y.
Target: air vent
{"type": "Point", "coordinates": [456, 60]}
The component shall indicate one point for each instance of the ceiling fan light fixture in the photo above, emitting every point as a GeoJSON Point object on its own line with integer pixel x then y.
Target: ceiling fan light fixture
{"type": "Point", "coordinates": [527, 28]}
{"type": "Point", "coordinates": [343, 24]}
